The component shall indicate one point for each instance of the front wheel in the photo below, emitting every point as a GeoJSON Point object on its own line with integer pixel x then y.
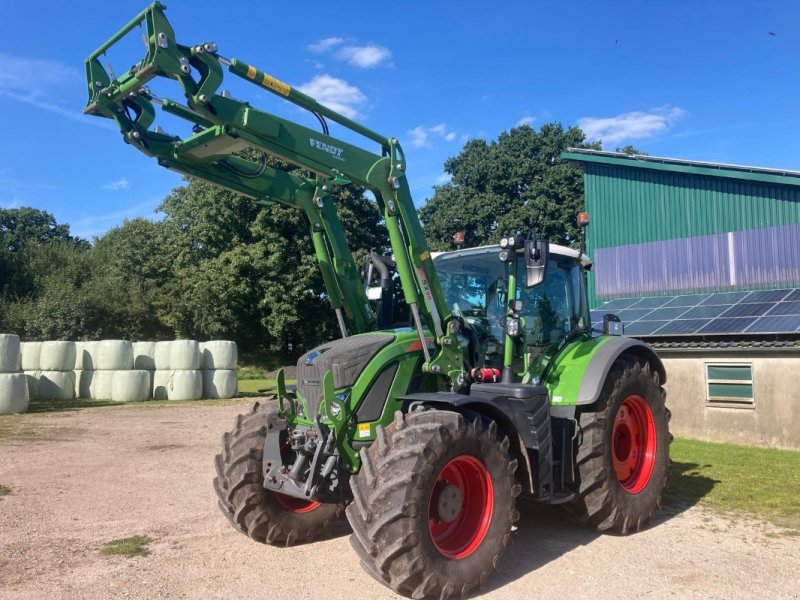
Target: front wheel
{"type": "Point", "coordinates": [623, 455]}
{"type": "Point", "coordinates": [434, 503]}
{"type": "Point", "coordinates": [260, 514]}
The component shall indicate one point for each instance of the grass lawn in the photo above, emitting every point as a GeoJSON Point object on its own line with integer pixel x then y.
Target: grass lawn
{"type": "Point", "coordinates": [132, 546]}
{"type": "Point", "coordinates": [736, 479]}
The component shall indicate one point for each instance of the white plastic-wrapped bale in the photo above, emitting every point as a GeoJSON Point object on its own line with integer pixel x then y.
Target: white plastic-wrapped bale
{"type": "Point", "coordinates": [29, 359]}
{"type": "Point", "coordinates": [114, 355]}
{"type": "Point", "coordinates": [161, 356]}
{"type": "Point", "coordinates": [160, 384]}
{"type": "Point", "coordinates": [130, 386]}
{"type": "Point", "coordinates": [57, 356]}
{"type": "Point", "coordinates": [220, 383]}
{"type": "Point", "coordinates": [9, 353]}
{"type": "Point", "coordinates": [88, 356]}
{"type": "Point", "coordinates": [32, 377]}
{"type": "Point", "coordinates": [219, 354]}
{"type": "Point", "coordinates": [13, 393]}
{"type": "Point", "coordinates": [144, 355]}
{"type": "Point", "coordinates": [100, 385]}
{"type": "Point", "coordinates": [57, 385]}
{"type": "Point", "coordinates": [83, 383]}
{"type": "Point", "coordinates": [184, 354]}
{"type": "Point", "coordinates": [185, 384]}
{"type": "Point", "coordinates": [79, 346]}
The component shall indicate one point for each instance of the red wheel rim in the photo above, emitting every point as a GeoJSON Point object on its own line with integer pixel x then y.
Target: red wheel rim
{"type": "Point", "coordinates": [296, 505]}
{"type": "Point", "coordinates": [633, 443]}
{"type": "Point", "coordinates": [460, 508]}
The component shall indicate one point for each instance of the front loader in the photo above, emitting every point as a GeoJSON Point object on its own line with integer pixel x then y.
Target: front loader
{"type": "Point", "coordinates": [423, 433]}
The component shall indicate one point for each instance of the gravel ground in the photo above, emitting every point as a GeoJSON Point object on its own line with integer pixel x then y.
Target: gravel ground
{"type": "Point", "coordinates": [84, 477]}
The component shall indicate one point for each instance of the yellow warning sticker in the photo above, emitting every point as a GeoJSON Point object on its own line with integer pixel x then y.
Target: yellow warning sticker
{"type": "Point", "coordinates": [276, 85]}
{"type": "Point", "coordinates": [425, 255]}
{"type": "Point", "coordinates": [364, 430]}
{"type": "Point", "coordinates": [251, 72]}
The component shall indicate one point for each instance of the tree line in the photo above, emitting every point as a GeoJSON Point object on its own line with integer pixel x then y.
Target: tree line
{"type": "Point", "coordinates": [218, 266]}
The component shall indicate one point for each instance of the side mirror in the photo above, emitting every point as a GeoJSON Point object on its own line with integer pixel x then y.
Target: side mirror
{"type": "Point", "coordinates": [536, 254]}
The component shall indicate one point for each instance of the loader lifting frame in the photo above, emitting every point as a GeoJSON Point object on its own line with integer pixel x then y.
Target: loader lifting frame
{"type": "Point", "coordinates": [225, 126]}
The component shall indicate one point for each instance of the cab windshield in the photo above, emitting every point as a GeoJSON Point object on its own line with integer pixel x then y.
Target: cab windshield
{"type": "Point", "coordinates": [475, 286]}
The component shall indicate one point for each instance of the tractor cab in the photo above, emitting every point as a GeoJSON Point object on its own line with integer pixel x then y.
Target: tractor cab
{"type": "Point", "coordinates": [534, 322]}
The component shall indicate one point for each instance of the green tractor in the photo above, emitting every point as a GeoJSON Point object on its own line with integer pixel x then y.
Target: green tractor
{"type": "Point", "coordinates": [426, 433]}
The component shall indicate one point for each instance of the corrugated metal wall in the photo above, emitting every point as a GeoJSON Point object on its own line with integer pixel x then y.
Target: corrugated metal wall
{"type": "Point", "coordinates": [660, 232]}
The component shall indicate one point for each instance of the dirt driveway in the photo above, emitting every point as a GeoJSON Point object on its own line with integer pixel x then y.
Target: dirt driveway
{"type": "Point", "coordinates": [82, 478]}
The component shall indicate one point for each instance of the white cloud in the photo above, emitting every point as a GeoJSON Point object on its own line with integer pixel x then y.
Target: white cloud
{"type": "Point", "coordinates": [32, 75]}
{"type": "Point", "coordinates": [420, 135]}
{"type": "Point", "coordinates": [336, 94]}
{"type": "Point", "coordinates": [364, 57]}
{"type": "Point", "coordinates": [120, 184]}
{"type": "Point", "coordinates": [634, 125]}
{"type": "Point", "coordinates": [34, 81]}
{"type": "Point", "coordinates": [325, 44]}
{"type": "Point", "coordinates": [525, 121]}
{"type": "Point", "coordinates": [367, 56]}
{"type": "Point", "coordinates": [443, 178]}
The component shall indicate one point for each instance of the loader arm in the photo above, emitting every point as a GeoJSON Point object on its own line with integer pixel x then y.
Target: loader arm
{"type": "Point", "coordinates": [224, 126]}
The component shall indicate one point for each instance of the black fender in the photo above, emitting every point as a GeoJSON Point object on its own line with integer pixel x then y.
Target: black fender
{"type": "Point", "coordinates": [600, 364]}
{"type": "Point", "coordinates": [527, 424]}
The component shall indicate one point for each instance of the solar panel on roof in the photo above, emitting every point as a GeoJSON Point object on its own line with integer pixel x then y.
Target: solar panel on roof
{"type": "Point", "coordinates": [654, 302]}
{"type": "Point", "coordinates": [633, 314]}
{"type": "Point", "coordinates": [682, 326]}
{"type": "Point", "coordinates": [718, 313]}
{"type": "Point", "coordinates": [748, 310]}
{"type": "Point", "coordinates": [619, 303]}
{"type": "Point", "coordinates": [725, 298]}
{"type": "Point", "coordinates": [734, 325]}
{"type": "Point", "coordinates": [692, 300]}
{"type": "Point", "coordinates": [775, 324]}
{"type": "Point", "coordinates": [705, 312]}
{"type": "Point", "coordinates": [768, 296]}
{"type": "Point", "coordinates": [666, 313]}
{"type": "Point", "coordinates": [785, 308]}
{"type": "Point", "coordinates": [644, 327]}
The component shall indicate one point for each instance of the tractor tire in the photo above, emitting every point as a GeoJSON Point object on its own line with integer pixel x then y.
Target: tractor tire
{"type": "Point", "coordinates": [623, 455]}
{"type": "Point", "coordinates": [406, 534]}
{"type": "Point", "coordinates": [264, 516]}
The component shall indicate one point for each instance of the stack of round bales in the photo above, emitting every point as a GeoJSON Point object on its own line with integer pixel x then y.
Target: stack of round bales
{"type": "Point", "coordinates": [113, 377]}
{"type": "Point", "coordinates": [13, 385]}
{"type": "Point", "coordinates": [177, 370]}
{"type": "Point", "coordinates": [219, 358]}
{"type": "Point", "coordinates": [53, 371]}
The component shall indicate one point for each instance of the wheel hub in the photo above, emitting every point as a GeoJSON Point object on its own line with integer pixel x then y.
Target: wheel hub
{"type": "Point", "coordinates": [450, 501]}
{"type": "Point", "coordinates": [633, 444]}
{"type": "Point", "coordinates": [460, 507]}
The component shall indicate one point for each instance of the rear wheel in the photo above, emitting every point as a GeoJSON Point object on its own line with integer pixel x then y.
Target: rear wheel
{"type": "Point", "coordinates": [263, 515]}
{"type": "Point", "coordinates": [624, 452]}
{"type": "Point", "coordinates": [434, 503]}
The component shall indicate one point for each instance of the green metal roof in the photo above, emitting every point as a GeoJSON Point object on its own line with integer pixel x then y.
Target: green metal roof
{"type": "Point", "coordinates": [780, 176]}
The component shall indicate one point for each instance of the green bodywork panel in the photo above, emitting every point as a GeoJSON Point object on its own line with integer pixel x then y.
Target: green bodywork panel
{"type": "Point", "coordinates": [565, 373]}
{"type": "Point", "coordinates": [406, 351]}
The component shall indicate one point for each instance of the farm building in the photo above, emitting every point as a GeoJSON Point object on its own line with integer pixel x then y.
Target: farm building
{"type": "Point", "coordinates": [702, 260]}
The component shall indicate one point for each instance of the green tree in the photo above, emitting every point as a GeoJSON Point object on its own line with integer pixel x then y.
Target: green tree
{"type": "Point", "coordinates": [249, 272]}
{"type": "Point", "coordinates": [631, 150]}
{"type": "Point", "coordinates": [504, 186]}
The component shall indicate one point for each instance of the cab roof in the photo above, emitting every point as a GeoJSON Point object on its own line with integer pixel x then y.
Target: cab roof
{"type": "Point", "coordinates": [555, 249]}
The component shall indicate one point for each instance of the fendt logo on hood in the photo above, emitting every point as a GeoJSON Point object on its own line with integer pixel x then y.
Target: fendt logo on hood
{"type": "Point", "coordinates": [332, 150]}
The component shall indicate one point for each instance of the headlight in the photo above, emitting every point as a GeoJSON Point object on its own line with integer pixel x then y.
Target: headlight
{"type": "Point", "coordinates": [512, 326]}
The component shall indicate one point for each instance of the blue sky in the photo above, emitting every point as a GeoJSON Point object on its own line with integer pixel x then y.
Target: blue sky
{"type": "Point", "coordinates": [691, 79]}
